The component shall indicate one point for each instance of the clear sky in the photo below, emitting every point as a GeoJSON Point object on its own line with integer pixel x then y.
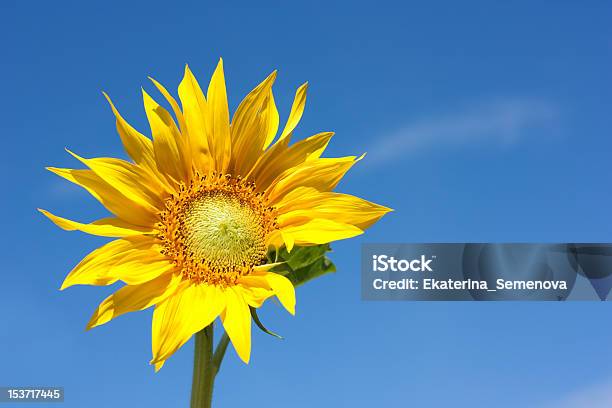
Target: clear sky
{"type": "Point", "coordinates": [483, 123]}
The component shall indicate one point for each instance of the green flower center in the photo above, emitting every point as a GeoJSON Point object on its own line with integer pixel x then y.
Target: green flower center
{"type": "Point", "coordinates": [215, 229]}
{"type": "Point", "coordinates": [223, 231]}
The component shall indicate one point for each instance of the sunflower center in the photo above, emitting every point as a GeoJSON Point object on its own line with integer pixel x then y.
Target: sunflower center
{"type": "Point", "coordinates": [224, 231]}
{"type": "Point", "coordinates": [215, 229]}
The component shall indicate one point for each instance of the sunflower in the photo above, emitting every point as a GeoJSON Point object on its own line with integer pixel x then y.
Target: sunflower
{"type": "Point", "coordinates": [201, 205]}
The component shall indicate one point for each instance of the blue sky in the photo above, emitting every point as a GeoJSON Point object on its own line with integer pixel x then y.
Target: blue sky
{"type": "Point", "coordinates": [483, 122]}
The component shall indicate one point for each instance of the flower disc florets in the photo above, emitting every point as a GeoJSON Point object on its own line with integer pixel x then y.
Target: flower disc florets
{"type": "Point", "coordinates": [215, 229]}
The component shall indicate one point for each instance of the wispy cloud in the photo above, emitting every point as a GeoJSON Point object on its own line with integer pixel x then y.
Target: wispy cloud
{"type": "Point", "coordinates": [593, 396]}
{"type": "Point", "coordinates": [500, 122]}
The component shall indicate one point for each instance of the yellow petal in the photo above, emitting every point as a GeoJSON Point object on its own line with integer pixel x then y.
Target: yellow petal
{"type": "Point", "coordinates": [132, 298]}
{"type": "Point", "coordinates": [237, 323]}
{"type": "Point", "coordinates": [263, 130]}
{"type": "Point", "coordinates": [275, 240]}
{"type": "Point", "coordinates": [267, 267]}
{"type": "Point", "coordinates": [95, 268]}
{"type": "Point", "coordinates": [297, 109]}
{"type": "Point", "coordinates": [322, 174]}
{"type": "Point", "coordinates": [105, 227]}
{"type": "Point", "coordinates": [141, 266]}
{"type": "Point", "coordinates": [159, 365]}
{"type": "Point", "coordinates": [167, 140]}
{"type": "Point", "coordinates": [272, 120]}
{"type": "Point", "coordinates": [182, 141]}
{"type": "Point", "coordinates": [173, 104]}
{"type": "Point", "coordinates": [137, 146]}
{"type": "Point", "coordinates": [307, 202]}
{"type": "Point", "coordinates": [195, 113]}
{"type": "Point", "coordinates": [218, 125]}
{"type": "Point", "coordinates": [180, 316]}
{"type": "Point", "coordinates": [126, 178]}
{"type": "Point", "coordinates": [251, 125]}
{"type": "Point", "coordinates": [108, 196]}
{"type": "Point", "coordinates": [255, 289]}
{"type": "Point", "coordinates": [288, 239]}
{"type": "Point", "coordinates": [295, 198]}
{"type": "Point", "coordinates": [317, 231]}
{"type": "Point", "coordinates": [254, 296]}
{"type": "Point", "coordinates": [248, 108]}
{"type": "Point", "coordinates": [282, 288]}
{"type": "Point", "coordinates": [266, 159]}
{"type": "Point", "coordinates": [279, 158]}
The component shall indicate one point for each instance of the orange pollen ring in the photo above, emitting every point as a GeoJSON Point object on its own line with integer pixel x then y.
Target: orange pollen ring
{"type": "Point", "coordinates": [215, 229]}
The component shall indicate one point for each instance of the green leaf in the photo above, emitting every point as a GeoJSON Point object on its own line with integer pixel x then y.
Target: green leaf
{"type": "Point", "coordinates": [260, 324]}
{"type": "Point", "coordinates": [303, 263]}
{"type": "Point", "coordinates": [318, 268]}
{"type": "Point", "coordinates": [304, 256]}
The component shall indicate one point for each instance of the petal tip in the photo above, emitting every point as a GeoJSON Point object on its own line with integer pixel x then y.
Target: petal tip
{"type": "Point", "coordinates": [110, 102]}
{"type": "Point", "coordinates": [73, 154]}
{"type": "Point", "coordinates": [155, 82]}
{"type": "Point", "coordinates": [45, 213]}
{"type": "Point", "coordinates": [157, 362]}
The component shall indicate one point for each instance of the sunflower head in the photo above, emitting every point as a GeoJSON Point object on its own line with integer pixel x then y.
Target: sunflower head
{"type": "Point", "coordinates": [201, 204]}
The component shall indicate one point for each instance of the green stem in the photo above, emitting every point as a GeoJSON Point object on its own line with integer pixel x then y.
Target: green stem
{"type": "Point", "coordinates": [220, 352]}
{"type": "Point", "coordinates": [203, 369]}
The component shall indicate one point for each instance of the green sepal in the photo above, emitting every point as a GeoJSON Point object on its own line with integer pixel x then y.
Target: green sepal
{"type": "Point", "coordinates": [260, 324]}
